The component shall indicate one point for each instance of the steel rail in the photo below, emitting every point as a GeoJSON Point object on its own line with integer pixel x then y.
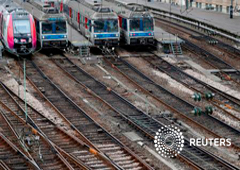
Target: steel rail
{"type": "Point", "coordinates": [207, 55]}
{"type": "Point", "coordinates": [144, 123]}
{"type": "Point", "coordinates": [12, 135]}
{"type": "Point", "coordinates": [83, 119]}
{"type": "Point", "coordinates": [195, 84]}
{"type": "Point", "coordinates": [50, 155]}
{"type": "Point", "coordinates": [234, 52]}
{"type": "Point", "coordinates": [9, 153]}
{"type": "Point", "coordinates": [172, 101]}
{"type": "Point", "coordinates": [93, 149]}
{"type": "Point", "coordinates": [211, 60]}
{"type": "Point", "coordinates": [65, 142]}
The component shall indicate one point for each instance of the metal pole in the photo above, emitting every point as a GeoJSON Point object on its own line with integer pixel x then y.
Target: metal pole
{"type": "Point", "coordinates": [170, 6]}
{"type": "Point", "coordinates": [231, 10]}
{"type": "Point", "coordinates": [25, 98]}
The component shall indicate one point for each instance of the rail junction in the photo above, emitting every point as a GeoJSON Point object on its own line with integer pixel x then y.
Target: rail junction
{"type": "Point", "coordinates": [118, 85]}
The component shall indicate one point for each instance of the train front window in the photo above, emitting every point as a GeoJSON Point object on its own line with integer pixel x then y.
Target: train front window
{"type": "Point", "coordinates": [106, 26]}
{"type": "Point", "coordinates": [99, 26]}
{"type": "Point", "coordinates": [135, 25]}
{"type": "Point", "coordinates": [21, 27]}
{"type": "Point", "coordinates": [111, 26]}
{"type": "Point", "coordinates": [47, 28]}
{"type": "Point", "coordinates": [147, 24]}
{"type": "Point", "coordinates": [61, 27]}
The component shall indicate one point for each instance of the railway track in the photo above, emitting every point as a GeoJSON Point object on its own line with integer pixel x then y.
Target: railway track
{"type": "Point", "coordinates": [222, 46]}
{"type": "Point", "coordinates": [194, 156]}
{"type": "Point", "coordinates": [12, 154]}
{"type": "Point", "coordinates": [209, 58]}
{"type": "Point", "coordinates": [8, 131]}
{"type": "Point", "coordinates": [42, 151]}
{"type": "Point", "coordinates": [213, 60]}
{"type": "Point", "coordinates": [12, 158]}
{"type": "Point", "coordinates": [73, 149]}
{"type": "Point", "coordinates": [175, 103]}
{"type": "Point", "coordinates": [195, 84]}
{"type": "Point", "coordinates": [104, 142]}
{"type": "Point", "coordinates": [229, 49]}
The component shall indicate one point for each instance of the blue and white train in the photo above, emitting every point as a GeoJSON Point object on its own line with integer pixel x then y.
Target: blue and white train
{"type": "Point", "coordinates": [137, 24]}
{"type": "Point", "coordinates": [99, 24]}
{"type": "Point", "coordinates": [51, 25]}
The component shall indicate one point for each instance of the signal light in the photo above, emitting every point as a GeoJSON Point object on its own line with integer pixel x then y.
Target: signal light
{"type": "Point", "coordinates": [197, 97]}
{"type": "Point", "coordinates": [197, 111]}
{"type": "Point", "coordinates": [209, 95]}
{"type": "Point", "coordinates": [208, 110]}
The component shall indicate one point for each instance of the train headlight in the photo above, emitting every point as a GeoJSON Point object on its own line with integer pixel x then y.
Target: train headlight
{"type": "Point", "coordinates": [15, 40]}
{"type": "Point", "coordinates": [43, 37]}
{"type": "Point", "coordinates": [30, 40]}
{"type": "Point", "coordinates": [95, 35]}
{"type": "Point", "coordinates": [65, 36]}
{"type": "Point", "coordinates": [117, 35]}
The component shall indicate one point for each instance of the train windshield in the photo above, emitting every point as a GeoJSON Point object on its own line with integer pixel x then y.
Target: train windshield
{"type": "Point", "coordinates": [143, 24]}
{"type": "Point", "coordinates": [106, 26]}
{"type": "Point", "coordinates": [47, 28]}
{"type": "Point", "coordinates": [21, 27]}
{"type": "Point", "coordinates": [135, 25]}
{"type": "Point", "coordinates": [54, 27]}
{"type": "Point", "coordinates": [147, 24]}
{"type": "Point", "coordinates": [61, 27]}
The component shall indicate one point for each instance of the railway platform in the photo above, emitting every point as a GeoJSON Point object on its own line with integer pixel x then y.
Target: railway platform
{"type": "Point", "coordinates": [78, 41]}
{"type": "Point", "coordinates": [211, 19]}
{"type": "Point", "coordinates": [164, 37]}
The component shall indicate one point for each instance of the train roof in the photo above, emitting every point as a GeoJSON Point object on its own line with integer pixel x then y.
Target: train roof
{"type": "Point", "coordinates": [129, 10]}
{"type": "Point", "coordinates": [10, 6]}
{"type": "Point", "coordinates": [94, 12]}
{"type": "Point", "coordinates": [39, 14]}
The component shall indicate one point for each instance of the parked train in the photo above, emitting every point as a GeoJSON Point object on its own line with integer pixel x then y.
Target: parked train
{"type": "Point", "coordinates": [17, 29]}
{"type": "Point", "coordinates": [98, 24]}
{"type": "Point", "coordinates": [137, 24]}
{"type": "Point", "coordinates": [51, 25]}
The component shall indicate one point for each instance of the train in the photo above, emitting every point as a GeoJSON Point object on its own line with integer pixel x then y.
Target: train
{"type": "Point", "coordinates": [51, 25]}
{"type": "Point", "coordinates": [17, 29]}
{"type": "Point", "coordinates": [136, 24]}
{"type": "Point", "coordinates": [99, 24]}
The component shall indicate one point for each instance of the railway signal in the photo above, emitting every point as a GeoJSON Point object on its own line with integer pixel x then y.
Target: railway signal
{"type": "Point", "coordinates": [197, 111]}
{"type": "Point", "coordinates": [197, 97]}
{"type": "Point", "coordinates": [209, 95]}
{"type": "Point", "coordinates": [213, 42]}
{"type": "Point", "coordinates": [208, 110]}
